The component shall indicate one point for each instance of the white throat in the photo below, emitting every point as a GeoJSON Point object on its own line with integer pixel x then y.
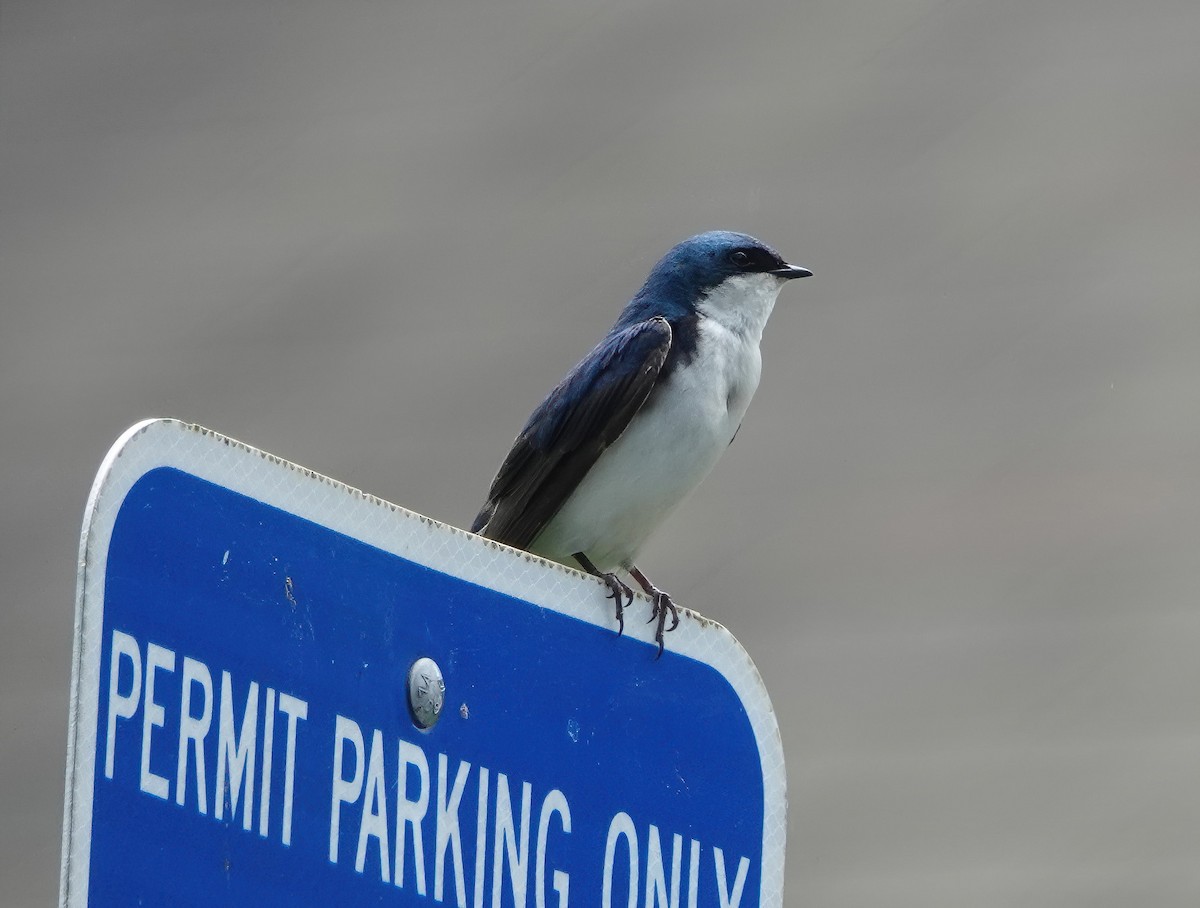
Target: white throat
{"type": "Point", "coordinates": [742, 304]}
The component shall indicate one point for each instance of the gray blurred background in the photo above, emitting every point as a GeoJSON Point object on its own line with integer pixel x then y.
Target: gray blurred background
{"type": "Point", "coordinates": [959, 530]}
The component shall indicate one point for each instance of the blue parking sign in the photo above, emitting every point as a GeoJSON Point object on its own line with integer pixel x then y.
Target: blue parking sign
{"type": "Point", "coordinates": [287, 691]}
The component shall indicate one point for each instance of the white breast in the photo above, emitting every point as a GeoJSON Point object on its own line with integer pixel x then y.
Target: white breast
{"type": "Point", "coordinates": [674, 441]}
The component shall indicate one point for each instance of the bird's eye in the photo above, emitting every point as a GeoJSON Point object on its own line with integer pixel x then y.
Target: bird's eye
{"type": "Point", "coordinates": [739, 258]}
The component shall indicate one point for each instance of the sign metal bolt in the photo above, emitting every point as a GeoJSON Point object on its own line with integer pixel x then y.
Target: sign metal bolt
{"type": "Point", "coordinates": [426, 692]}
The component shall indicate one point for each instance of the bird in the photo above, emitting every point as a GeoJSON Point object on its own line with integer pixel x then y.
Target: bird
{"type": "Point", "coordinates": [642, 419]}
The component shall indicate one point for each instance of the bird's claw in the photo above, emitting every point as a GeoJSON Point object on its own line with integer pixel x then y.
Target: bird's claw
{"type": "Point", "coordinates": [661, 605]}
{"type": "Point", "coordinates": [617, 589]}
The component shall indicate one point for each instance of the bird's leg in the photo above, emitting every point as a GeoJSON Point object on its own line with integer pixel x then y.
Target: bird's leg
{"type": "Point", "coordinates": [662, 605]}
{"type": "Point", "coordinates": [617, 586]}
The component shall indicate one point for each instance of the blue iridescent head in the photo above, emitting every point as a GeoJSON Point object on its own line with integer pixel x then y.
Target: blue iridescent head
{"type": "Point", "coordinates": [693, 268]}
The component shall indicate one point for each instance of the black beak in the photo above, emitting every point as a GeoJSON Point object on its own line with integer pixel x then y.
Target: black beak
{"type": "Point", "coordinates": [788, 272]}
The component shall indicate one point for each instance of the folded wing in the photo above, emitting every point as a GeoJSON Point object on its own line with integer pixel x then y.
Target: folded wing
{"type": "Point", "coordinates": [583, 415]}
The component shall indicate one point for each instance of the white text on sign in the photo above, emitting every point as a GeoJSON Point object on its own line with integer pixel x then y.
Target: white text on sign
{"type": "Point", "coordinates": [519, 836]}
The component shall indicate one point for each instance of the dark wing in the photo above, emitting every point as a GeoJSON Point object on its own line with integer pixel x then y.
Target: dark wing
{"type": "Point", "coordinates": [581, 417]}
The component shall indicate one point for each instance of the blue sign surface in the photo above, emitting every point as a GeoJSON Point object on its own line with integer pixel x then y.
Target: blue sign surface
{"type": "Point", "coordinates": [253, 743]}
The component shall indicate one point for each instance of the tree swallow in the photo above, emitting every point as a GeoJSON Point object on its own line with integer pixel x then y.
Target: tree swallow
{"type": "Point", "coordinates": [636, 425]}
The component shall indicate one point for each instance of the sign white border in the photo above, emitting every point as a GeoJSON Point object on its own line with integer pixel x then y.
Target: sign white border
{"type": "Point", "coordinates": [284, 485]}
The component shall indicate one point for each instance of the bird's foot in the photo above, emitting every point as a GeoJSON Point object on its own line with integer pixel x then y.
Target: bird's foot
{"type": "Point", "coordinates": [618, 589]}
{"type": "Point", "coordinates": [661, 606]}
